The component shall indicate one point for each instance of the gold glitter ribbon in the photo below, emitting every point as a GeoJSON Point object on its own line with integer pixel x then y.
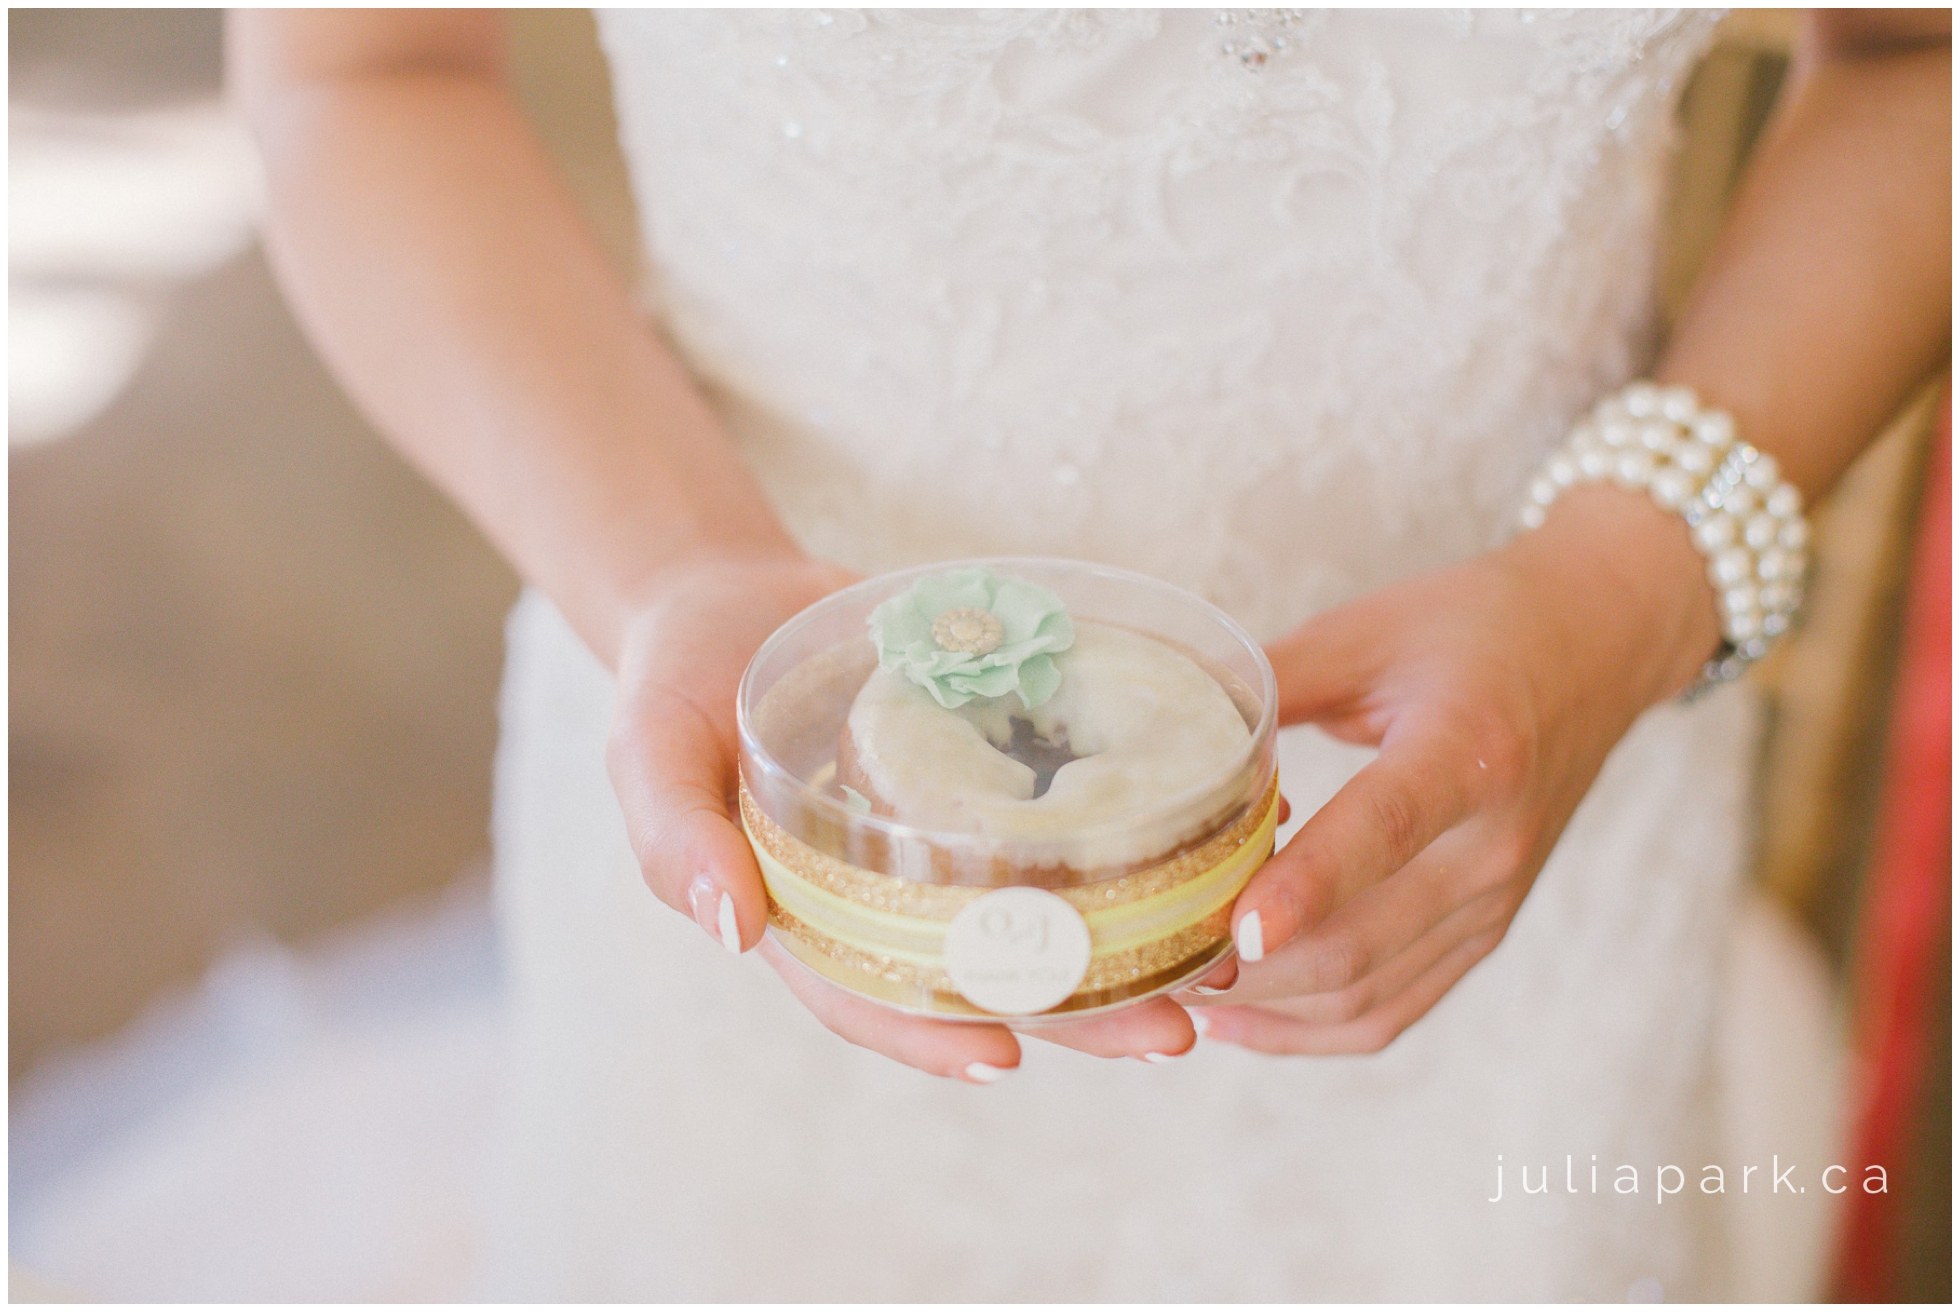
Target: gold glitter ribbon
{"type": "Point", "coordinates": [885, 936]}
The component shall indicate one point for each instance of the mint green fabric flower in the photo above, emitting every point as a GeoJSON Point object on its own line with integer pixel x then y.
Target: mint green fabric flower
{"type": "Point", "coordinates": [970, 633]}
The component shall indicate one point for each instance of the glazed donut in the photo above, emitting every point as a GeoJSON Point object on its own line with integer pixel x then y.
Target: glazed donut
{"type": "Point", "coordinates": [1136, 723]}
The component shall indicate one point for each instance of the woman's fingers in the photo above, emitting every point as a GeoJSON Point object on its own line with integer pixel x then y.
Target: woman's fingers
{"type": "Point", "coordinates": [1219, 979]}
{"type": "Point", "coordinates": [1380, 924]}
{"type": "Point", "coordinates": [1158, 1030]}
{"type": "Point", "coordinates": [671, 771]}
{"type": "Point", "coordinates": [1377, 823]}
{"type": "Point", "coordinates": [1325, 664]}
{"type": "Point", "coordinates": [1272, 1029]}
{"type": "Point", "coordinates": [1281, 988]}
{"type": "Point", "coordinates": [672, 751]}
{"type": "Point", "coordinates": [978, 1054]}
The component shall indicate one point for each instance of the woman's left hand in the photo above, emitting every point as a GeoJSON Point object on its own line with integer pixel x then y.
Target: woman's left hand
{"type": "Point", "coordinates": [1495, 691]}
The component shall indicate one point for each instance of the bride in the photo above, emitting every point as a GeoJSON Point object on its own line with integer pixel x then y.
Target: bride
{"type": "Point", "coordinates": [1283, 307]}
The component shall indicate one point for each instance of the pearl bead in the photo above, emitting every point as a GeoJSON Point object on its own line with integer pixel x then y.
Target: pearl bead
{"type": "Point", "coordinates": [1658, 437]}
{"type": "Point", "coordinates": [1670, 487]}
{"type": "Point", "coordinates": [1760, 532]}
{"type": "Point", "coordinates": [1741, 628]}
{"type": "Point", "coordinates": [1738, 600]}
{"type": "Point", "coordinates": [1694, 458]}
{"type": "Point", "coordinates": [1739, 501]}
{"type": "Point", "coordinates": [1632, 469]}
{"type": "Point", "coordinates": [1714, 533]}
{"type": "Point", "coordinates": [1731, 567]}
{"type": "Point", "coordinates": [1679, 403]}
{"type": "Point", "coordinates": [1745, 520]}
{"type": "Point", "coordinates": [1715, 429]}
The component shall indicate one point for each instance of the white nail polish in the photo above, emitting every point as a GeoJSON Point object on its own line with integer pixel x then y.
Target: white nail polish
{"type": "Point", "coordinates": [700, 902]}
{"type": "Point", "coordinates": [1200, 1022]}
{"type": "Point", "coordinates": [981, 1073]}
{"type": "Point", "coordinates": [1252, 938]}
{"type": "Point", "coordinates": [1159, 1058]}
{"type": "Point", "coordinates": [731, 932]}
{"type": "Point", "coordinates": [1208, 990]}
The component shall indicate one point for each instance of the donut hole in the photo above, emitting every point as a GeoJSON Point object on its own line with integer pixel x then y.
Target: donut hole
{"type": "Point", "coordinates": [1124, 761]}
{"type": "Point", "coordinates": [1043, 754]}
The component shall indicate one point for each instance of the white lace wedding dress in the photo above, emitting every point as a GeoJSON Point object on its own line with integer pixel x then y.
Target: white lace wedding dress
{"type": "Point", "coordinates": [1279, 306]}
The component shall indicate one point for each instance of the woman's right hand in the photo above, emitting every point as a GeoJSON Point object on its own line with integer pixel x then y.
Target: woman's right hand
{"type": "Point", "coordinates": [673, 760]}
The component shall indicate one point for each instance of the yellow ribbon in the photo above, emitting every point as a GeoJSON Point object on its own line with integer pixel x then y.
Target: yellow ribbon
{"type": "Point", "coordinates": [898, 956]}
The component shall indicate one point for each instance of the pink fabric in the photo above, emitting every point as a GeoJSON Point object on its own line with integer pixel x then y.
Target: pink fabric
{"type": "Point", "coordinates": [1908, 908]}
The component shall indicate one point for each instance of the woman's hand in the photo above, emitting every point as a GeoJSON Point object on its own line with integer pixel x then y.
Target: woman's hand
{"type": "Point", "coordinates": [672, 757]}
{"type": "Point", "coordinates": [1495, 691]}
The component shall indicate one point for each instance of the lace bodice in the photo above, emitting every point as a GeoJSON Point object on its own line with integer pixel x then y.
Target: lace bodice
{"type": "Point", "coordinates": [1277, 305]}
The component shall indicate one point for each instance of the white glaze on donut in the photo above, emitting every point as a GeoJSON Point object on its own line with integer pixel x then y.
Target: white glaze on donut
{"type": "Point", "coordinates": [1145, 721]}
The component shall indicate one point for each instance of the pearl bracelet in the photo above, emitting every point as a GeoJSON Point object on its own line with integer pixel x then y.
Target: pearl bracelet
{"type": "Point", "coordinates": [1744, 518]}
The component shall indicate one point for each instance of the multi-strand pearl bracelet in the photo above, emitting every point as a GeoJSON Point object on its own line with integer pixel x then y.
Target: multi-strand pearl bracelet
{"type": "Point", "coordinates": [1744, 518]}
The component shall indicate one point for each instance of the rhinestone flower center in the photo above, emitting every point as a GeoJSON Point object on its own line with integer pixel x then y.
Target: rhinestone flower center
{"type": "Point", "coordinates": [967, 629]}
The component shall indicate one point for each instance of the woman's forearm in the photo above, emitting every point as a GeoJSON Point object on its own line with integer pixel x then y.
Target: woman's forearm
{"type": "Point", "coordinates": [437, 260]}
{"type": "Point", "coordinates": [1824, 303]}
{"type": "Point", "coordinates": [1827, 298]}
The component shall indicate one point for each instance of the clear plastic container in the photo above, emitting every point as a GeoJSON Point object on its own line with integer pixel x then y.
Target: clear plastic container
{"type": "Point", "coordinates": [1012, 907]}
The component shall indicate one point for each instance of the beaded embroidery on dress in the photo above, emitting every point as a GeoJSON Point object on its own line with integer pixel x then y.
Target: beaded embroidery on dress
{"type": "Point", "coordinates": [1278, 306]}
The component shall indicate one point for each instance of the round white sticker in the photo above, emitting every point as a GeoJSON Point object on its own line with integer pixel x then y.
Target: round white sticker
{"type": "Point", "coordinates": [1017, 951]}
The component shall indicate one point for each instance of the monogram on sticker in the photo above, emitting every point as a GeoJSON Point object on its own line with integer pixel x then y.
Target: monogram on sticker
{"type": "Point", "coordinates": [1017, 951]}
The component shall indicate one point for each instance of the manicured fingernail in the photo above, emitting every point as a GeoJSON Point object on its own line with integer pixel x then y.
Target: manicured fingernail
{"type": "Point", "coordinates": [1160, 1058]}
{"type": "Point", "coordinates": [714, 911]}
{"type": "Point", "coordinates": [1199, 1022]}
{"type": "Point", "coordinates": [1219, 978]}
{"type": "Point", "coordinates": [1252, 938]}
{"type": "Point", "coordinates": [700, 901]}
{"type": "Point", "coordinates": [981, 1073]}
